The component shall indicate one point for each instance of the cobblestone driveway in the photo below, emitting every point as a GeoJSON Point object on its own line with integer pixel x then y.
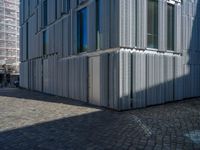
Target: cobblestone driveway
{"type": "Point", "coordinates": [30, 120]}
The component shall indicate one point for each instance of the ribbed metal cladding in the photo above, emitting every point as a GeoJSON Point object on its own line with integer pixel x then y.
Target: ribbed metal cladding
{"type": "Point", "coordinates": [51, 11]}
{"type": "Point", "coordinates": [114, 80]}
{"type": "Point", "coordinates": [177, 29]}
{"type": "Point", "coordinates": [124, 79]}
{"type": "Point", "coordinates": [130, 74]}
{"type": "Point", "coordinates": [73, 32]}
{"type": "Point", "coordinates": [24, 74]}
{"type": "Point", "coordinates": [92, 26]}
{"type": "Point", "coordinates": [66, 36]}
{"type": "Point", "coordinates": [104, 78]}
{"type": "Point", "coordinates": [105, 24]}
{"type": "Point", "coordinates": [127, 23]}
{"type": "Point", "coordinates": [114, 23]}
{"type": "Point", "coordinates": [141, 24]}
{"type": "Point", "coordinates": [58, 39]}
{"type": "Point", "coordinates": [162, 25]}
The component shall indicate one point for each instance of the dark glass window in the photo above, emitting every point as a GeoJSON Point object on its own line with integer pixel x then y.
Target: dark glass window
{"type": "Point", "coordinates": [45, 42]}
{"type": "Point", "coordinates": [152, 35]}
{"type": "Point", "coordinates": [45, 12]}
{"type": "Point", "coordinates": [170, 27]}
{"type": "Point", "coordinates": [82, 30]}
{"type": "Point", "coordinates": [98, 24]}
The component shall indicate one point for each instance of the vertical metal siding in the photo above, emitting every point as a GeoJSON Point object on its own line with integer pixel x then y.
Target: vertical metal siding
{"type": "Point", "coordinates": [66, 36]}
{"type": "Point", "coordinates": [92, 26]}
{"type": "Point", "coordinates": [162, 25]}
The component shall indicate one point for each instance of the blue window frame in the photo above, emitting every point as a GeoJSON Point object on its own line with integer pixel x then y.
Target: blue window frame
{"type": "Point", "coordinates": [82, 30]}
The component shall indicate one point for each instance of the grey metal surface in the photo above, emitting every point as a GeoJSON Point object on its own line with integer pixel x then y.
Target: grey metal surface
{"type": "Point", "coordinates": [130, 74]}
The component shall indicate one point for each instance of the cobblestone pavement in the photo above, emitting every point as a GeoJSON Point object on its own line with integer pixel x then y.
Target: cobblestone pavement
{"type": "Point", "coordinates": [31, 120]}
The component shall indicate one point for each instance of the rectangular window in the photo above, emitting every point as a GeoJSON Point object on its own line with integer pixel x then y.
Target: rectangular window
{"type": "Point", "coordinates": [98, 24]}
{"type": "Point", "coordinates": [152, 35]}
{"type": "Point", "coordinates": [170, 27]}
{"type": "Point", "coordinates": [82, 30]}
{"type": "Point", "coordinates": [45, 42]}
{"type": "Point", "coordinates": [45, 13]}
{"type": "Point", "coordinates": [66, 6]}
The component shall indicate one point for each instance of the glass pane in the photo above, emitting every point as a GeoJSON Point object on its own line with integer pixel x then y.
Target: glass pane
{"type": "Point", "coordinates": [45, 12]}
{"type": "Point", "coordinates": [98, 24]}
{"type": "Point", "coordinates": [170, 27]}
{"type": "Point", "coordinates": [152, 35]}
{"type": "Point", "coordinates": [82, 30]}
{"type": "Point", "coordinates": [45, 42]}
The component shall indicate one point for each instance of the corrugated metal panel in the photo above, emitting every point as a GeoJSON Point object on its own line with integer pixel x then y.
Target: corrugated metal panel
{"type": "Point", "coordinates": [92, 26]}
{"type": "Point", "coordinates": [127, 23]}
{"type": "Point", "coordinates": [63, 83]}
{"type": "Point", "coordinates": [45, 75]}
{"type": "Point", "coordinates": [24, 74]}
{"type": "Point", "coordinates": [104, 78]}
{"type": "Point", "coordinates": [73, 32]}
{"type": "Point", "coordinates": [51, 40]}
{"type": "Point", "coordinates": [124, 79]}
{"type": "Point", "coordinates": [138, 68]}
{"type": "Point", "coordinates": [24, 46]}
{"type": "Point", "coordinates": [60, 77]}
{"type": "Point", "coordinates": [58, 38]}
{"type": "Point", "coordinates": [162, 25]}
{"type": "Point", "coordinates": [21, 10]}
{"type": "Point", "coordinates": [26, 10]}
{"type": "Point", "coordinates": [59, 8]}
{"type": "Point", "coordinates": [39, 17]}
{"type": "Point", "coordinates": [141, 24]}
{"type": "Point", "coordinates": [51, 11]}
{"type": "Point", "coordinates": [114, 80]}
{"type": "Point", "coordinates": [83, 77]}
{"type": "Point", "coordinates": [129, 78]}
{"type": "Point", "coordinates": [161, 85]}
{"type": "Point", "coordinates": [150, 80]}
{"type": "Point", "coordinates": [178, 83]}
{"type": "Point", "coordinates": [105, 24]}
{"type": "Point", "coordinates": [114, 23]}
{"type": "Point", "coordinates": [169, 76]}
{"type": "Point", "coordinates": [31, 37]}
{"type": "Point", "coordinates": [66, 36]}
{"type": "Point", "coordinates": [94, 80]}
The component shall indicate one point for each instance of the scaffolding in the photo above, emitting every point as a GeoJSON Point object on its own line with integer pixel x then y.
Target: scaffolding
{"type": "Point", "coordinates": [9, 34]}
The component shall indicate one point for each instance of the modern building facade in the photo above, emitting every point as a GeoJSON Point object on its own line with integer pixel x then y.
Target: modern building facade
{"type": "Point", "coordinates": [9, 38]}
{"type": "Point", "coordinates": [120, 54]}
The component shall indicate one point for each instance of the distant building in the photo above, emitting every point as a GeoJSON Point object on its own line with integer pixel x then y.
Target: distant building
{"type": "Point", "coordinates": [120, 54]}
{"type": "Point", "coordinates": [9, 39]}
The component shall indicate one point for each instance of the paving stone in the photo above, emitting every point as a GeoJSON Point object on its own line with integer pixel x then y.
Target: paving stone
{"type": "Point", "coordinates": [32, 120]}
